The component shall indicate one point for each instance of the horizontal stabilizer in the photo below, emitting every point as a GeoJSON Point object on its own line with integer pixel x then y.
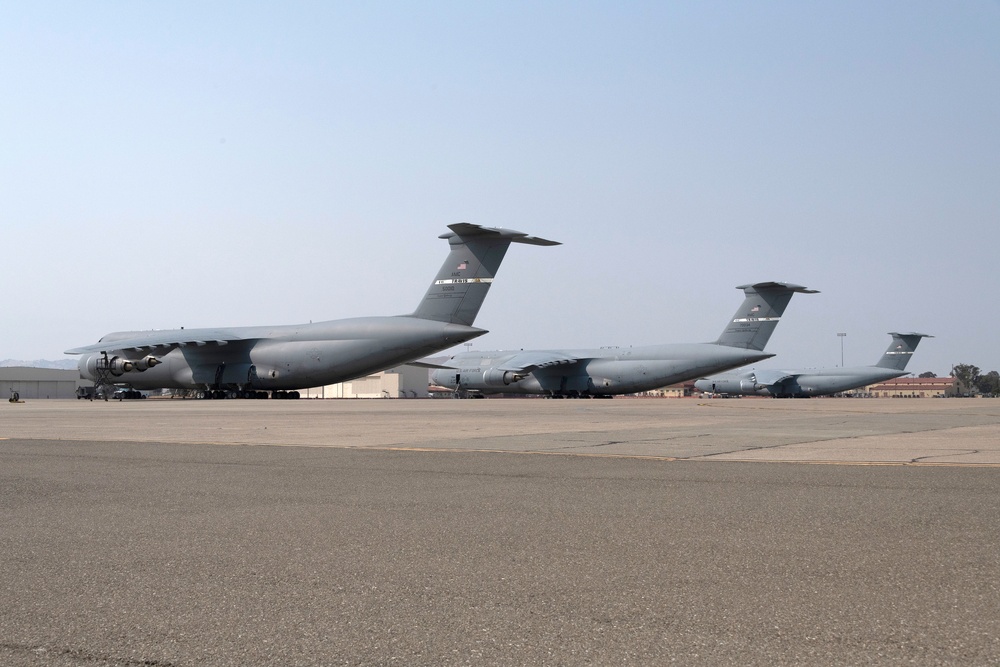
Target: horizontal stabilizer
{"type": "Point", "coordinates": [786, 287]}
{"type": "Point", "coordinates": [467, 230]}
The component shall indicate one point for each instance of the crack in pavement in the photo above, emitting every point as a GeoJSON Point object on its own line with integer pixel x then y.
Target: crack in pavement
{"type": "Point", "coordinates": [83, 656]}
{"type": "Point", "coordinates": [966, 452]}
{"type": "Point", "coordinates": [608, 443]}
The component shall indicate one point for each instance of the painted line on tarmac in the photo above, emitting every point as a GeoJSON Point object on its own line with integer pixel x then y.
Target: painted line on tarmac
{"type": "Point", "coordinates": [921, 464]}
{"type": "Point", "coordinates": [532, 452]}
{"type": "Point", "coordinates": [593, 455]}
{"type": "Point", "coordinates": [646, 457]}
{"type": "Point", "coordinates": [859, 410]}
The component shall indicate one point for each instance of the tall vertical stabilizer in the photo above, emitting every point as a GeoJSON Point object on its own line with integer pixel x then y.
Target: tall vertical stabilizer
{"type": "Point", "coordinates": [900, 350]}
{"type": "Point", "coordinates": [465, 277]}
{"type": "Point", "coordinates": [754, 322]}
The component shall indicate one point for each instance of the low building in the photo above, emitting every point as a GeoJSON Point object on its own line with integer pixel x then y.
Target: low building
{"type": "Point", "coordinates": [679, 390]}
{"type": "Point", "coordinates": [40, 382]}
{"type": "Point", "coordinates": [399, 382]}
{"type": "Point", "coordinates": [913, 387]}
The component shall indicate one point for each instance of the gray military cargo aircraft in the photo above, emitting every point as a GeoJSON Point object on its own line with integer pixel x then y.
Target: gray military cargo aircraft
{"type": "Point", "coordinates": [806, 382]}
{"type": "Point", "coordinates": [601, 373]}
{"type": "Point", "coordinates": [250, 361]}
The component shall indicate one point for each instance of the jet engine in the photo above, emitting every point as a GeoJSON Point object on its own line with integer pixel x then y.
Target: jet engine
{"type": "Point", "coordinates": [494, 377]}
{"type": "Point", "coordinates": [91, 366]}
{"type": "Point", "coordinates": [146, 362]}
{"type": "Point", "coordinates": [749, 386]}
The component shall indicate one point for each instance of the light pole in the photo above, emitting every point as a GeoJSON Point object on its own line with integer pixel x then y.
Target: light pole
{"type": "Point", "coordinates": [841, 337]}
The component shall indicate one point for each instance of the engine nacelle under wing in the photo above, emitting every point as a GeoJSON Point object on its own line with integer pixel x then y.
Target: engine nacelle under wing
{"type": "Point", "coordinates": [495, 377]}
{"type": "Point", "coordinates": [145, 363]}
{"type": "Point", "coordinates": [91, 366]}
{"type": "Point", "coordinates": [489, 379]}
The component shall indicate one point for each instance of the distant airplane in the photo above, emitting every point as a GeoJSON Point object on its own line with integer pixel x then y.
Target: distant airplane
{"type": "Point", "coordinates": [601, 373]}
{"type": "Point", "coordinates": [806, 382]}
{"type": "Point", "coordinates": [249, 361]}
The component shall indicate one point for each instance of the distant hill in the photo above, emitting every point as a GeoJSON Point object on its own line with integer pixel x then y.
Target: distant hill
{"type": "Point", "coordinates": [62, 364]}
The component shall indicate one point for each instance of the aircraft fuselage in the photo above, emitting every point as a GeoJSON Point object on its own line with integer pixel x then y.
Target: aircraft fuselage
{"type": "Point", "coordinates": [286, 357]}
{"type": "Point", "coordinates": [599, 372]}
{"type": "Point", "coordinates": [802, 383]}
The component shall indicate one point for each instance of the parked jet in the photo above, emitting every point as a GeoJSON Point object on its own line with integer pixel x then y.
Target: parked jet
{"type": "Point", "coordinates": [247, 361]}
{"type": "Point", "coordinates": [806, 382]}
{"type": "Point", "coordinates": [605, 372]}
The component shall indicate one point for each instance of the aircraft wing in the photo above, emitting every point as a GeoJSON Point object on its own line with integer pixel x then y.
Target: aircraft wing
{"type": "Point", "coordinates": [163, 340]}
{"type": "Point", "coordinates": [770, 378]}
{"type": "Point", "coordinates": [428, 364]}
{"type": "Point", "coordinates": [526, 362]}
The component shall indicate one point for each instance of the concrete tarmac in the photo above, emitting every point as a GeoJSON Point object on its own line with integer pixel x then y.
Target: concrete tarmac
{"type": "Point", "coordinates": [500, 532]}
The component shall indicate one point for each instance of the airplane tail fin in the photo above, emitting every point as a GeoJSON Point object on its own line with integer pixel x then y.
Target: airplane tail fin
{"type": "Point", "coordinates": [900, 350]}
{"type": "Point", "coordinates": [756, 318]}
{"type": "Point", "coordinates": [466, 275]}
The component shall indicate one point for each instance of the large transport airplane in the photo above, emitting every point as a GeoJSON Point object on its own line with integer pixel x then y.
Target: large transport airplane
{"type": "Point", "coordinates": [602, 373]}
{"type": "Point", "coordinates": [806, 382]}
{"type": "Point", "coordinates": [250, 361]}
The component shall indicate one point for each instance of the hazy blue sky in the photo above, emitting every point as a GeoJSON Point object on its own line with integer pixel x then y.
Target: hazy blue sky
{"type": "Point", "coordinates": [223, 164]}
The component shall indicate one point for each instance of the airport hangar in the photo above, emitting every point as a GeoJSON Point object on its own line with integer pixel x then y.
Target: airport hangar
{"type": "Point", "coordinates": [31, 382]}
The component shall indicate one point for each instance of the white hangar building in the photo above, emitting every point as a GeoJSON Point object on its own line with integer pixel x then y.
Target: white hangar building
{"type": "Point", "coordinates": [40, 382]}
{"type": "Point", "coordinates": [399, 382]}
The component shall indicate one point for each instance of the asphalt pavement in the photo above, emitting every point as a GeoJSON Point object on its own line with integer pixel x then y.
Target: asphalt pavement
{"type": "Point", "coordinates": [497, 533]}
